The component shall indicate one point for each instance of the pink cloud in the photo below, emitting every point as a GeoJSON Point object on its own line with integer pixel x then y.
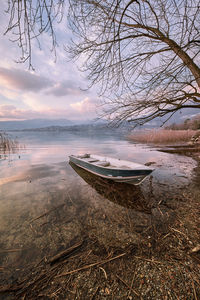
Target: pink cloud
{"type": "Point", "coordinates": [84, 106]}
{"type": "Point", "coordinates": [23, 80]}
{"type": "Point", "coordinates": [10, 112]}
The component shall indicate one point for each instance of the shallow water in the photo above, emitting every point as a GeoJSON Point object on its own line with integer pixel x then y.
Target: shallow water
{"type": "Point", "coordinates": [46, 204]}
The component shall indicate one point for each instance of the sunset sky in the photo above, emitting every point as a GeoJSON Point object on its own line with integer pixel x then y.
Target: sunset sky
{"type": "Point", "coordinates": [54, 90]}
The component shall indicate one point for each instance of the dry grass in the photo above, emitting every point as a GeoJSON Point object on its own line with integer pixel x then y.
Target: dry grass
{"type": "Point", "coordinates": [162, 136]}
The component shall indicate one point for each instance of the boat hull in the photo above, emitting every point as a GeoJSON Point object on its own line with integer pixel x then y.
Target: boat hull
{"type": "Point", "coordinates": [118, 175]}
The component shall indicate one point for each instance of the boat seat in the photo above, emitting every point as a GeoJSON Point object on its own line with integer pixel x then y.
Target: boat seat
{"type": "Point", "coordinates": [91, 160]}
{"type": "Point", "coordinates": [103, 164]}
{"type": "Point", "coordinates": [84, 156]}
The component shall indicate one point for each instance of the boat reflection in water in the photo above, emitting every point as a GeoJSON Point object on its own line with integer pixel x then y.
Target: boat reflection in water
{"type": "Point", "coordinates": [123, 194]}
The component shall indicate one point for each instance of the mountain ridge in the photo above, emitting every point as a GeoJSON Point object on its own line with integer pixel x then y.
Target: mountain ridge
{"type": "Point", "coordinates": [178, 117]}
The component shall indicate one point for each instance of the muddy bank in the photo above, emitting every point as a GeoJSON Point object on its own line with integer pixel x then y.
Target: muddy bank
{"type": "Point", "coordinates": [87, 238]}
{"type": "Point", "coordinates": [184, 149]}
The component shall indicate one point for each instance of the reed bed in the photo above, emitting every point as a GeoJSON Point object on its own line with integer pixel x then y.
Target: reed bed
{"type": "Point", "coordinates": [6, 143]}
{"type": "Point", "coordinates": [162, 136]}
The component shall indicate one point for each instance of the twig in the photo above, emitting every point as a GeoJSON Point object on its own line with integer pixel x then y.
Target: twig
{"type": "Point", "coordinates": [91, 265]}
{"type": "Point", "coordinates": [44, 224]}
{"type": "Point", "coordinates": [195, 294]}
{"type": "Point", "coordinates": [96, 291]}
{"type": "Point", "coordinates": [46, 213]}
{"type": "Point", "coordinates": [150, 260]}
{"type": "Point", "coordinates": [87, 254]}
{"type": "Point", "coordinates": [9, 288]}
{"type": "Point", "coordinates": [196, 249]}
{"type": "Point", "coordinates": [132, 282]}
{"type": "Point", "coordinates": [54, 294]}
{"type": "Point", "coordinates": [65, 253]}
{"type": "Point", "coordinates": [11, 250]}
{"type": "Point", "coordinates": [176, 230]}
{"type": "Point", "coordinates": [127, 285]}
{"type": "Point", "coordinates": [104, 272]}
{"type": "Point", "coordinates": [75, 294]}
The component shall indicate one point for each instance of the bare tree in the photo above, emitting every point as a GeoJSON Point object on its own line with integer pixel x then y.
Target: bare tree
{"type": "Point", "coordinates": [28, 19]}
{"type": "Point", "coordinates": [145, 54]}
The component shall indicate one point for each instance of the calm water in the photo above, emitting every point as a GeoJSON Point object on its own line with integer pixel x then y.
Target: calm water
{"type": "Point", "coordinates": [46, 204]}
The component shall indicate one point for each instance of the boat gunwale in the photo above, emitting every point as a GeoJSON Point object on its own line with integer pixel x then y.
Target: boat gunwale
{"type": "Point", "coordinates": [120, 179]}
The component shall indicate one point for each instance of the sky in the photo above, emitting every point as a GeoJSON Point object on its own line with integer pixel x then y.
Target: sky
{"type": "Point", "coordinates": [54, 90]}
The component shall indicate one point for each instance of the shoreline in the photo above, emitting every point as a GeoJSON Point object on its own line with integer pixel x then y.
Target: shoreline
{"type": "Point", "coordinates": [184, 149]}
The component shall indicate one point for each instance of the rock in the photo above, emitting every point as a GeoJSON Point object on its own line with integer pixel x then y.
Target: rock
{"type": "Point", "coordinates": [150, 163]}
{"type": "Point", "coordinates": [196, 137]}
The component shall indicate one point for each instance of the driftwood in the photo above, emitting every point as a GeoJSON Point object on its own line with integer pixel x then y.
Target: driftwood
{"type": "Point", "coordinates": [65, 253]}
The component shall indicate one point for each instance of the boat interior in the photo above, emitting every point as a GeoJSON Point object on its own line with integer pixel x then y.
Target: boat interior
{"type": "Point", "coordinates": [101, 161]}
{"type": "Point", "coordinates": [98, 162]}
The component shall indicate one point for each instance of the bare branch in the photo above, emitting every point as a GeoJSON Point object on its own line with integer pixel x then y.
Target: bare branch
{"type": "Point", "coordinates": [29, 19]}
{"type": "Point", "coordinates": [144, 54]}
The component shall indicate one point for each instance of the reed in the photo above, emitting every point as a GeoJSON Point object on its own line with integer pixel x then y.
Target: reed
{"type": "Point", "coordinates": [162, 136]}
{"type": "Point", "coordinates": [7, 144]}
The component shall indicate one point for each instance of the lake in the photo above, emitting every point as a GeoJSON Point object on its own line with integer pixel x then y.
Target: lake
{"type": "Point", "coordinates": [46, 205]}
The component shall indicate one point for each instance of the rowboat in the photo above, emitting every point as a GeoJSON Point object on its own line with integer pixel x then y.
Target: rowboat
{"type": "Point", "coordinates": [120, 193]}
{"type": "Point", "coordinates": [111, 168]}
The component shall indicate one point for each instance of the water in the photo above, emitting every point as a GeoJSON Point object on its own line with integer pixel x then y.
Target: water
{"type": "Point", "coordinates": [46, 204]}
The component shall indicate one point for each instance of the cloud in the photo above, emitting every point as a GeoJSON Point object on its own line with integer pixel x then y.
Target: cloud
{"type": "Point", "coordinates": [84, 106]}
{"type": "Point", "coordinates": [52, 91]}
{"type": "Point", "coordinates": [23, 80]}
{"type": "Point", "coordinates": [65, 88]}
{"type": "Point", "coordinates": [11, 112]}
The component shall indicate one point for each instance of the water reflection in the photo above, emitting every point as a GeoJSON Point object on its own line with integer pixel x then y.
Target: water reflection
{"type": "Point", "coordinates": [123, 194]}
{"type": "Point", "coordinates": [29, 175]}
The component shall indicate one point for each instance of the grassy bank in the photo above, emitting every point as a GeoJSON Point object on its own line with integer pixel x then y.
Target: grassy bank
{"type": "Point", "coordinates": [162, 136]}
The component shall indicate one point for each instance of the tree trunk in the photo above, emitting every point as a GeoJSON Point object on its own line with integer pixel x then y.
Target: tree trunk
{"type": "Point", "coordinates": [188, 61]}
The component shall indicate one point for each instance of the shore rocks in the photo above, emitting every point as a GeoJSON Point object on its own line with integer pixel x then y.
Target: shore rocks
{"type": "Point", "coordinates": [196, 138]}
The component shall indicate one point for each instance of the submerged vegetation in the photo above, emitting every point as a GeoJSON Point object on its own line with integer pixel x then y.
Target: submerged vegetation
{"type": "Point", "coordinates": [164, 136]}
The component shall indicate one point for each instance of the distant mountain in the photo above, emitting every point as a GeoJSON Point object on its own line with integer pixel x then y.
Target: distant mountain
{"type": "Point", "coordinates": [56, 124]}
{"type": "Point", "coordinates": [83, 128]}
{"type": "Point", "coordinates": [177, 118]}
{"type": "Point", "coordinates": [34, 123]}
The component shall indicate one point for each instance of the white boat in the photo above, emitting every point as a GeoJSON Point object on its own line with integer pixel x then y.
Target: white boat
{"type": "Point", "coordinates": [112, 168]}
